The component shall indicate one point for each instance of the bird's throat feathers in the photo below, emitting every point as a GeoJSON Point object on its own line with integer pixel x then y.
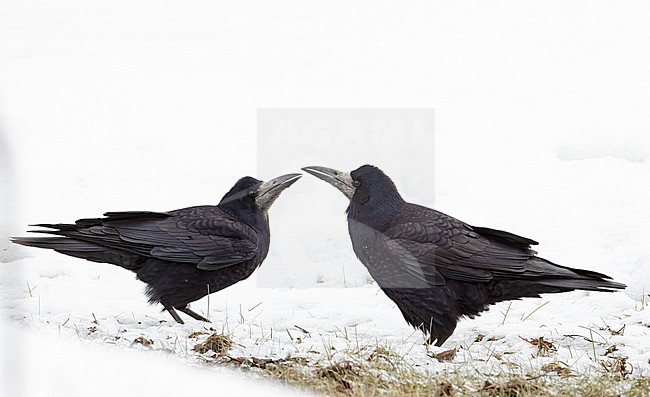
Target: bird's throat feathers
{"type": "Point", "coordinates": [246, 210]}
{"type": "Point", "coordinates": [376, 207]}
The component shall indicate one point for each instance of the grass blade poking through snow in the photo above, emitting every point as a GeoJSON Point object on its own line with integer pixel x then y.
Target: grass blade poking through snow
{"type": "Point", "coordinates": [536, 309]}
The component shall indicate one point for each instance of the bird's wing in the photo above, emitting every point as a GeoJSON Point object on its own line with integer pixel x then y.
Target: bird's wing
{"type": "Point", "coordinates": [204, 236]}
{"type": "Point", "coordinates": [443, 248]}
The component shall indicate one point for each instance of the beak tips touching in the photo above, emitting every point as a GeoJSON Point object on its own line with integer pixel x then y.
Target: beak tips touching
{"type": "Point", "coordinates": [321, 172]}
{"type": "Point", "coordinates": [340, 180]}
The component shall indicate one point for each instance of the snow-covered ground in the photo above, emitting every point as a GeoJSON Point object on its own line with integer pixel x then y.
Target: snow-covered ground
{"type": "Point", "coordinates": [45, 364]}
{"type": "Point", "coordinates": [541, 128]}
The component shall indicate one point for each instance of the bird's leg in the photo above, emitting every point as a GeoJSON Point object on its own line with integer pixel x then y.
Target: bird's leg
{"type": "Point", "coordinates": [441, 339]}
{"type": "Point", "coordinates": [192, 314]}
{"type": "Point", "coordinates": [442, 334]}
{"type": "Point", "coordinates": [436, 335]}
{"type": "Point", "coordinates": [174, 314]}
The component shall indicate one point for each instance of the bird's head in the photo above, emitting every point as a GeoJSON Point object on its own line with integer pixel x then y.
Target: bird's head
{"type": "Point", "coordinates": [252, 195]}
{"type": "Point", "coordinates": [367, 186]}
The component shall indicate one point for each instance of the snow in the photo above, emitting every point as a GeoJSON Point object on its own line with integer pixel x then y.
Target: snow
{"type": "Point", "coordinates": [541, 129]}
{"type": "Point", "coordinates": [49, 366]}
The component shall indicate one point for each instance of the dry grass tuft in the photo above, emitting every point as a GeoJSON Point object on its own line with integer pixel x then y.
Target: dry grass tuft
{"type": "Point", "coordinates": [342, 373]}
{"type": "Point", "coordinates": [264, 363]}
{"type": "Point", "coordinates": [561, 369]}
{"type": "Point", "coordinates": [544, 347]}
{"type": "Point", "coordinates": [640, 388]}
{"type": "Point", "coordinates": [614, 332]}
{"type": "Point", "coordinates": [141, 340]}
{"type": "Point", "coordinates": [380, 352]}
{"type": "Point", "coordinates": [447, 355]}
{"type": "Point", "coordinates": [219, 344]}
{"type": "Point", "coordinates": [617, 367]}
{"type": "Point", "coordinates": [512, 388]}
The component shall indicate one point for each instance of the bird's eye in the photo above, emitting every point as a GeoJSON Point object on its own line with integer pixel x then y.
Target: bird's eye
{"type": "Point", "coordinates": [355, 183]}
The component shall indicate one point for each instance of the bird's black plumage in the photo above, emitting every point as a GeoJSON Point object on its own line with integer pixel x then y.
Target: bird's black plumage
{"type": "Point", "coordinates": [437, 268]}
{"type": "Point", "coordinates": [181, 255]}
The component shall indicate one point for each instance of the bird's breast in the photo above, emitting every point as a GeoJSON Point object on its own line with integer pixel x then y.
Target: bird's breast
{"type": "Point", "coordinates": [370, 247]}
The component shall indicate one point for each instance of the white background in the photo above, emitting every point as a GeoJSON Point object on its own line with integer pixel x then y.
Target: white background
{"type": "Point", "coordinates": [542, 129]}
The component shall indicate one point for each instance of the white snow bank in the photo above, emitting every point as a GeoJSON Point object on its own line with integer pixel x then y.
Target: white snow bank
{"type": "Point", "coordinates": [46, 364]}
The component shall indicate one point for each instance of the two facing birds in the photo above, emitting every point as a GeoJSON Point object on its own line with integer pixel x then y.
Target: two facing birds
{"type": "Point", "coordinates": [435, 268]}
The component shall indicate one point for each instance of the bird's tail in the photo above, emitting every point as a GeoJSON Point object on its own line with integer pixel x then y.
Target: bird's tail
{"type": "Point", "coordinates": [544, 277]}
{"type": "Point", "coordinates": [568, 279]}
{"type": "Point", "coordinates": [81, 249]}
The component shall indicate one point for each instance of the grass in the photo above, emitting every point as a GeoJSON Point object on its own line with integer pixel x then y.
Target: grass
{"type": "Point", "coordinates": [344, 362]}
{"type": "Point", "coordinates": [217, 343]}
{"type": "Point", "coordinates": [379, 370]}
{"type": "Point", "coordinates": [382, 372]}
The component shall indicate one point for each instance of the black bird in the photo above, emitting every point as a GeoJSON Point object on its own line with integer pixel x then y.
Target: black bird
{"type": "Point", "coordinates": [181, 255]}
{"type": "Point", "coordinates": [437, 268]}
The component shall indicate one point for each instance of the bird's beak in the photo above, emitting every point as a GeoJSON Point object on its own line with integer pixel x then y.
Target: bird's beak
{"type": "Point", "coordinates": [270, 190]}
{"type": "Point", "coordinates": [338, 179]}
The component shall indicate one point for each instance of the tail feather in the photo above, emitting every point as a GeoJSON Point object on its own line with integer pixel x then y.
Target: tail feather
{"type": "Point", "coordinates": [545, 277]}
{"type": "Point", "coordinates": [83, 250]}
{"type": "Point", "coordinates": [55, 243]}
{"type": "Point", "coordinates": [544, 272]}
{"type": "Point", "coordinates": [587, 284]}
{"type": "Point", "coordinates": [57, 226]}
{"type": "Point", "coordinates": [547, 273]}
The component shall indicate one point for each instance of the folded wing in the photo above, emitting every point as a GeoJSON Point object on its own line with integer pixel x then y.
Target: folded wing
{"type": "Point", "coordinates": [203, 236]}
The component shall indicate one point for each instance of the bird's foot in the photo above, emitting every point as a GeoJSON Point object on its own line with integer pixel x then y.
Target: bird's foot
{"type": "Point", "coordinates": [192, 314]}
{"type": "Point", "coordinates": [174, 315]}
